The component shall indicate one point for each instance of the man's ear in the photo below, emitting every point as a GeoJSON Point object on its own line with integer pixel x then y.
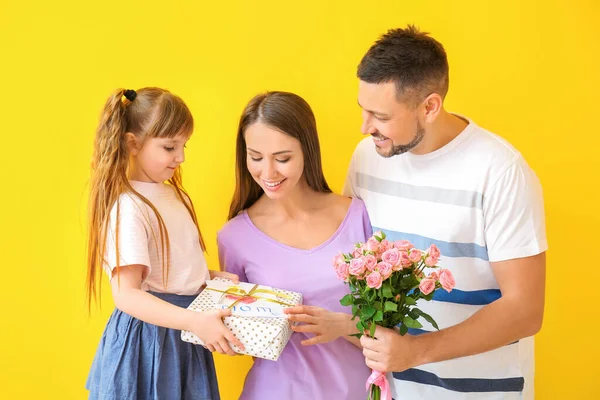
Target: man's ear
{"type": "Point", "coordinates": [433, 105]}
{"type": "Point", "coordinates": [132, 143]}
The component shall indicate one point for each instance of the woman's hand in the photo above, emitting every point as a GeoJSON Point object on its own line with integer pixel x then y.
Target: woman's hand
{"type": "Point", "coordinates": [209, 327]}
{"type": "Point", "coordinates": [324, 324]}
{"type": "Point", "coordinates": [225, 275]}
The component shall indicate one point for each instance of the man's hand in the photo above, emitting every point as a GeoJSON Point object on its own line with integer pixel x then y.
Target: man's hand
{"type": "Point", "coordinates": [389, 351]}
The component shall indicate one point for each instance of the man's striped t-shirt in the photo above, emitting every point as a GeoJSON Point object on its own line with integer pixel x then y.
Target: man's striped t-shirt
{"type": "Point", "coordinates": [479, 202]}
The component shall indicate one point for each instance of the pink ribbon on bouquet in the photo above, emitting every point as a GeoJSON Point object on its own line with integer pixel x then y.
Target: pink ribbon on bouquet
{"type": "Point", "coordinates": [379, 379]}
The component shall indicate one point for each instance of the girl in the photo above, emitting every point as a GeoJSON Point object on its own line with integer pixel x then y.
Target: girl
{"type": "Point", "coordinates": [144, 234]}
{"type": "Point", "coordinates": [284, 228]}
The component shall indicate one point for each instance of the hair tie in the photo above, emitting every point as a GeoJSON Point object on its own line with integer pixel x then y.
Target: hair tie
{"type": "Point", "coordinates": [130, 94]}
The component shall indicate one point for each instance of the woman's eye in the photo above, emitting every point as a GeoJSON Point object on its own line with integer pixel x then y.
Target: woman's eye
{"type": "Point", "coordinates": [169, 148]}
{"type": "Point", "coordinates": [255, 159]}
{"type": "Point", "coordinates": [283, 161]}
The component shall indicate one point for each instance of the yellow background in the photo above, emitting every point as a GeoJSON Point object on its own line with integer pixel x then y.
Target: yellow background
{"type": "Point", "coordinates": [526, 70]}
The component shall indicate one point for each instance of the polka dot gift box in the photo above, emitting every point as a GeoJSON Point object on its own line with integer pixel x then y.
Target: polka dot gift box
{"type": "Point", "coordinates": [257, 318]}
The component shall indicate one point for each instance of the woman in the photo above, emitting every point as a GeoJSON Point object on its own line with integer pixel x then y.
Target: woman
{"type": "Point", "coordinates": [285, 226]}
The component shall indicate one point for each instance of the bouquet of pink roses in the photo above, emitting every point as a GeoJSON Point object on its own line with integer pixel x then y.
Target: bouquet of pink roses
{"type": "Point", "coordinates": [386, 279]}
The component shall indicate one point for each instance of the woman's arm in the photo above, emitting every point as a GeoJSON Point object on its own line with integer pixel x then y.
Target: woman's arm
{"type": "Point", "coordinates": [324, 324]}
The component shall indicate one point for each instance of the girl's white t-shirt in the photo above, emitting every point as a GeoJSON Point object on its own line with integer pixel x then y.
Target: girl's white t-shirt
{"type": "Point", "coordinates": [140, 242]}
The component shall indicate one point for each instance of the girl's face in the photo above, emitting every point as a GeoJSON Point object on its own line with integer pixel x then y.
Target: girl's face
{"type": "Point", "coordinates": [156, 159]}
{"type": "Point", "coordinates": [274, 159]}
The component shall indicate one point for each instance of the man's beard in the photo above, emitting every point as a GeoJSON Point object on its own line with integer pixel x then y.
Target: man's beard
{"type": "Point", "coordinates": [403, 148]}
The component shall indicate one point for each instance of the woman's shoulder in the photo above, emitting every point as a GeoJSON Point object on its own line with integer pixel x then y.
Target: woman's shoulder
{"type": "Point", "coordinates": [233, 229]}
{"type": "Point", "coordinates": [343, 205]}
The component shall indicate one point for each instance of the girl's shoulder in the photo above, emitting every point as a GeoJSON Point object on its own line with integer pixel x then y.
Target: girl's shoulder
{"type": "Point", "coordinates": [130, 206]}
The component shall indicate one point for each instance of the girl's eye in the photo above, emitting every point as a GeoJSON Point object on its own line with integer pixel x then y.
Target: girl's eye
{"type": "Point", "coordinates": [283, 161]}
{"type": "Point", "coordinates": [255, 159]}
{"type": "Point", "coordinates": [169, 148]}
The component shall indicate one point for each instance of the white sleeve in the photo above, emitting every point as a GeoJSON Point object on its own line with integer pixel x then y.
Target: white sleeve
{"type": "Point", "coordinates": [513, 212]}
{"type": "Point", "coordinates": [349, 189]}
{"type": "Point", "coordinates": [133, 236]}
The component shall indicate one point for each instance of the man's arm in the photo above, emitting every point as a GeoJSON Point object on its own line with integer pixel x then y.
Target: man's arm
{"type": "Point", "coordinates": [517, 314]}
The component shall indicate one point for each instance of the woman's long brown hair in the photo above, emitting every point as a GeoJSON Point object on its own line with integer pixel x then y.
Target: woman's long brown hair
{"type": "Point", "coordinates": [154, 113]}
{"type": "Point", "coordinates": [289, 114]}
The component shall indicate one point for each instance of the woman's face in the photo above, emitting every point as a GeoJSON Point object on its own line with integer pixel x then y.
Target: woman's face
{"type": "Point", "coordinates": [274, 159]}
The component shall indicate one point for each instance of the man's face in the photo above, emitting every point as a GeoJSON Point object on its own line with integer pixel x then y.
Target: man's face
{"type": "Point", "coordinates": [393, 125]}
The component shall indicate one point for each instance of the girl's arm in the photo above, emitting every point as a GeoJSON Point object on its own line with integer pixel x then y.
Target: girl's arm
{"type": "Point", "coordinates": [131, 299]}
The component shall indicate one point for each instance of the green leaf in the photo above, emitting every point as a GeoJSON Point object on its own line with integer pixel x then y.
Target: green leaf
{"type": "Point", "coordinates": [378, 317]}
{"type": "Point", "coordinates": [427, 317]}
{"type": "Point", "coordinates": [390, 306]}
{"type": "Point", "coordinates": [409, 282]}
{"type": "Point", "coordinates": [360, 326]}
{"type": "Point", "coordinates": [347, 300]}
{"type": "Point", "coordinates": [377, 305]}
{"type": "Point", "coordinates": [409, 301]}
{"type": "Point", "coordinates": [387, 290]}
{"type": "Point", "coordinates": [411, 323]}
{"type": "Point", "coordinates": [367, 312]}
{"type": "Point", "coordinates": [355, 310]}
{"type": "Point", "coordinates": [403, 330]}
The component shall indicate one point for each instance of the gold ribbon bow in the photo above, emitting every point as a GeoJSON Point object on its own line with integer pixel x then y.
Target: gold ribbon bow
{"type": "Point", "coordinates": [236, 291]}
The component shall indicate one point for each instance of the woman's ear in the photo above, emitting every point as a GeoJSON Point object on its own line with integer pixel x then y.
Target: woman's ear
{"type": "Point", "coordinates": [132, 143]}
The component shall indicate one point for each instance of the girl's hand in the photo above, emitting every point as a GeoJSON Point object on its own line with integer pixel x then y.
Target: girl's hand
{"type": "Point", "coordinates": [208, 326]}
{"type": "Point", "coordinates": [225, 275]}
{"type": "Point", "coordinates": [324, 324]}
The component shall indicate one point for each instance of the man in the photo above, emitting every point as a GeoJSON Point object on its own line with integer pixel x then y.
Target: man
{"type": "Point", "coordinates": [430, 176]}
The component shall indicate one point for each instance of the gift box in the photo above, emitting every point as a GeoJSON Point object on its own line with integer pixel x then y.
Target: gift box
{"type": "Point", "coordinates": [257, 318]}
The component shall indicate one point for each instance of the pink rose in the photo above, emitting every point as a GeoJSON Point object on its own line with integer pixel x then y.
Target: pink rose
{"type": "Point", "coordinates": [434, 251]}
{"type": "Point", "coordinates": [370, 262]}
{"type": "Point", "coordinates": [391, 256]}
{"type": "Point", "coordinates": [384, 246]}
{"type": "Point", "coordinates": [403, 245]}
{"type": "Point", "coordinates": [342, 271]}
{"type": "Point", "coordinates": [431, 261]}
{"type": "Point", "coordinates": [447, 280]}
{"type": "Point", "coordinates": [357, 253]}
{"type": "Point", "coordinates": [404, 259]}
{"type": "Point", "coordinates": [435, 275]}
{"type": "Point", "coordinates": [374, 280]}
{"type": "Point", "coordinates": [338, 259]}
{"type": "Point", "coordinates": [385, 269]}
{"type": "Point", "coordinates": [427, 286]}
{"type": "Point", "coordinates": [357, 266]}
{"type": "Point", "coordinates": [372, 245]}
{"type": "Point", "coordinates": [415, 255]}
